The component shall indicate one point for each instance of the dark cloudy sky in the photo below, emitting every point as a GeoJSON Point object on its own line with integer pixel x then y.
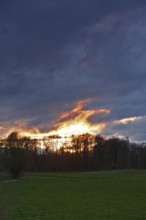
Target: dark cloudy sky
{"type": "Point", "coordinates": [54, 53]}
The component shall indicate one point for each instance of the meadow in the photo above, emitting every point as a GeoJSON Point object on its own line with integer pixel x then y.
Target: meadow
{"type": "Point", "coordinates": [119, 195]}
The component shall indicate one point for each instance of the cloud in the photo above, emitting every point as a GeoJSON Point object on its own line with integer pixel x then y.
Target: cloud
{"type": "Point", "coordinates": [58, 52]}
{"type": "Point", "coordinates": [134, 130]}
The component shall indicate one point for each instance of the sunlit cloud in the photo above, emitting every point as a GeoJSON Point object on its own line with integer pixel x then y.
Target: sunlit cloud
{"type": "Point", "coordinates": [129, 120]}
{"type": "Point", "coordinates": [74, 122]}
{"type": "Point", "coordinates": [77, 121]}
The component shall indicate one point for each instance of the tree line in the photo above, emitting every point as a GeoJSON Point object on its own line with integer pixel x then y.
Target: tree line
{"type": "Point", "coordinates": [84, 152]}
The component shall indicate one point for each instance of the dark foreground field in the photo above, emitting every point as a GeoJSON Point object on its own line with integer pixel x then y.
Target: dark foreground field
{"type": "Point", "coordinates": [74, 196]}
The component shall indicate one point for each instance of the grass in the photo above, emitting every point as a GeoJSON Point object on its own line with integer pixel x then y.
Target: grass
{"type": "Point", "coordinates": [119, 195]}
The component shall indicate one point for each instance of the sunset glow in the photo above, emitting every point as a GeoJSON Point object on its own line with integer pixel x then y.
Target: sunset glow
{"type": "Point", "coordinates": [74, 122]}
{"type": "Point", "coordinates": [77, 121]}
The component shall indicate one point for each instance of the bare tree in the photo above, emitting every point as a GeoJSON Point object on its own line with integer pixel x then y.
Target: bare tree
{"type": "Point", "coordinates": [15, 154]}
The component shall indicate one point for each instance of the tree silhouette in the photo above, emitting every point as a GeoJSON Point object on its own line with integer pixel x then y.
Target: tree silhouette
{"type": "Point", "coordinates": [15, 154]}
{"type": "Point", "coordinates": [83, 152]}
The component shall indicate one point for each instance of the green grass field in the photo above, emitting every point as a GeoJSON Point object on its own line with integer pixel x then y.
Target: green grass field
{"type": "Point", "coordinates": [74, 196]}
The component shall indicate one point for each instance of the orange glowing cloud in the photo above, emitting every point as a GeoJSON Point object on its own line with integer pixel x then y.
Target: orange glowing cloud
{"type": "Point", "coordinates": [74, 122]}
{"type": "Point", "coordinates": [77, 121]}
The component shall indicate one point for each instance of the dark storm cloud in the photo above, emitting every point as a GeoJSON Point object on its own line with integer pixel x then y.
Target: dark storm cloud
{"type": "Point", "coordinates": [53, 53]}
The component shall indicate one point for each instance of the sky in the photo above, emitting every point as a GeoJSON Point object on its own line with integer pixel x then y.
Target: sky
{"type": "Point", "coordinates": [55, 53]}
